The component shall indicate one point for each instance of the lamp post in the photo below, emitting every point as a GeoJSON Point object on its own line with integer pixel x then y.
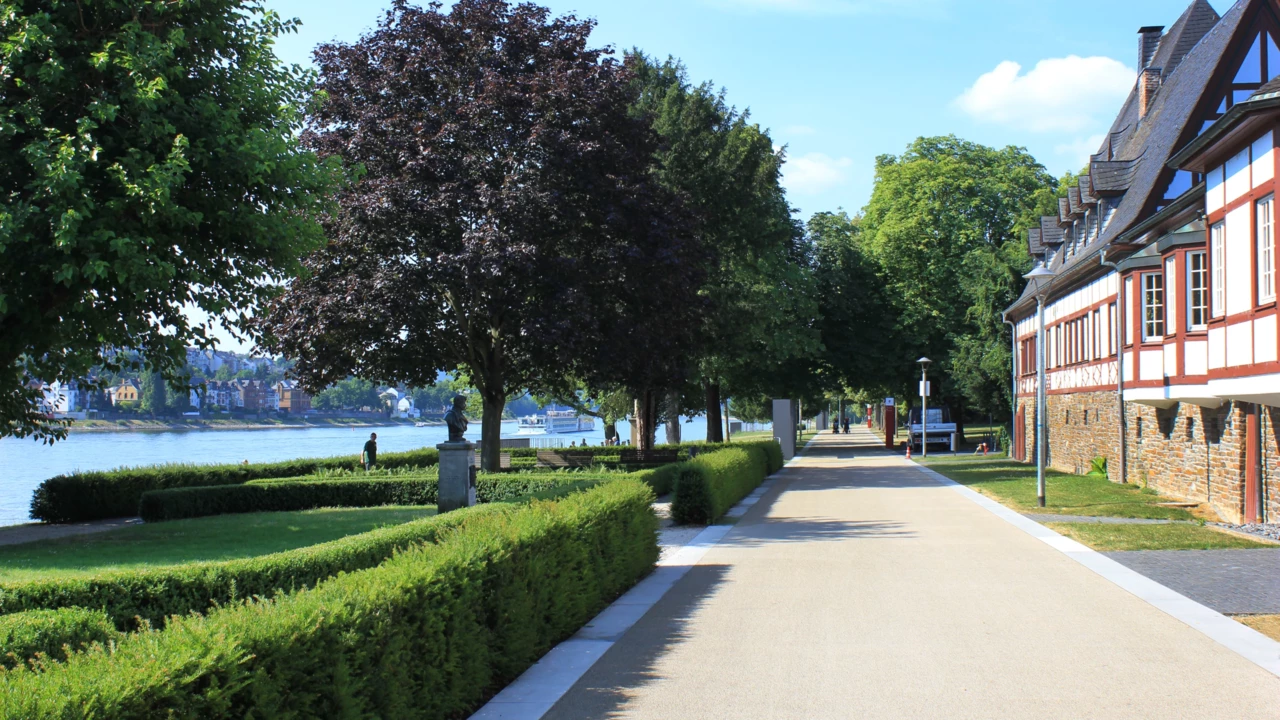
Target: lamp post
{"type": "Point", "coordinates": [1040, 278]}
{"type": "Point", "coordinates": [924, 406]}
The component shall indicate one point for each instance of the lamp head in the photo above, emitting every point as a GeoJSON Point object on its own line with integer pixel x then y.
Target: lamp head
{"type": "Point", "coordinates": [924, 362]}
{"type": "Point", "coordinates": [1039, 278]}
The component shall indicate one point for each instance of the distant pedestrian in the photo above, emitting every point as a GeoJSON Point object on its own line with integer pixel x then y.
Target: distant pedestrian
{"type": "Point", "coordinates": [584, 442]}
{"type": "Point", "coordinates": [846, 426]}
{"type": "Point", "coordinates": [573, 444]}
{"type": "Point", "coordinates": [370, 454]}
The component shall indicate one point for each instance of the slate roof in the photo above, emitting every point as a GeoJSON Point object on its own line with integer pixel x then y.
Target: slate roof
{"type": "Point", "coordinates": [1128, 169]}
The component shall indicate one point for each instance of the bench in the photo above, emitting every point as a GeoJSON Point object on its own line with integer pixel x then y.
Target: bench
{"type": "Point", "coordinates": [557, 459]}
{"type": "Point", "coordinates": [504, 460]}
{"type": "Point", "coordinates": [649, 457]}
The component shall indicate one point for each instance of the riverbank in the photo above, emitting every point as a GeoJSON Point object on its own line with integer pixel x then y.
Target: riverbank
{"type": "Point", "coordinates": [170, 425]}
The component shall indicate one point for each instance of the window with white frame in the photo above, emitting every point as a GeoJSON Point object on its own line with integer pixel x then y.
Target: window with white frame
{"type": "Point", "coordinates": [1266, 250]}
{"type": "Point", "coordinates": [1153, 306]}
{"type": "Point", "coordinates": [1218, 265]}
{"type": "Point", "coordinates": [1127, 311]}
{"type": "Point", "coordinates": [1197, 291]}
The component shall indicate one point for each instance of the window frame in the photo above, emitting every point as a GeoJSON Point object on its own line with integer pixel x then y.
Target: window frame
{"type": "Point", "coordinates": [1218, 270]}
{"type": "Point", "coordinates": [1265, 255]}
{"type": "Point", "coordinates": [1202, 308]}
{"type": "Point", "coordinates": [1151, 301]}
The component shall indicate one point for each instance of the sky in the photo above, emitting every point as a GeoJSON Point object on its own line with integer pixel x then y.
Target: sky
{"type": "Point", "coordinates": [840, 82]}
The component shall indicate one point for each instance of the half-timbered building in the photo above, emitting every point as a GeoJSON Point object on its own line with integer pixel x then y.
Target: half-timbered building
{"type": "Point", "coordinates": [1162, 348]}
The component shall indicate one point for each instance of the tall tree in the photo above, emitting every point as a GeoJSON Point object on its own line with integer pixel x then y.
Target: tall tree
{"type": "Point", "coordinates": [155, 398]}
{"type": "Point", "coordinates": [148, 162]}
{"type": "Point", "coordinates": [760, 308]}
{"type": "Point", "coordinates": [505, 210]}
{"type": "Point", "coordinates": [944, 226]}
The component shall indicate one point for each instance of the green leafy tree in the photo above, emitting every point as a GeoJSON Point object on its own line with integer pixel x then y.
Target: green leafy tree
{"type": "Point", "coordinates": [944, 226]}
{"type": "Point", "coordinates": [760, 308]}
{"type": "Point", "coordinates": [154, 400]}
{"type": "Point", "coordinates": [348, 394]}
{"type": "Point", "coordinates": [149, 161]}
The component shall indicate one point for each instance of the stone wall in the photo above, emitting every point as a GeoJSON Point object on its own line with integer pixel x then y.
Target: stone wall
{"type": "Point", "coordinates": [1186, 452]}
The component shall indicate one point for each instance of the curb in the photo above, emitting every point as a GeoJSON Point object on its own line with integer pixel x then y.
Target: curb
{"type": "Point", "coordinates": [540, 687]}
{"type": "Point", "coordinates": [1236, 637]}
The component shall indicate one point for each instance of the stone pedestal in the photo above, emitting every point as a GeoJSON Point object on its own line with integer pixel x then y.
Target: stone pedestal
{"type": "Point", "coordinates": [784, 426]}
{"type": "Point", "coordinates": [457, 476]}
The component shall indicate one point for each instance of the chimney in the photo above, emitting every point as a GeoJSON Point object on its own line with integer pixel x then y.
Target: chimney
{"type": "Point", "coordinates": [1148, 84]}
{"type": "Point", "coordinates": [1148, 41]}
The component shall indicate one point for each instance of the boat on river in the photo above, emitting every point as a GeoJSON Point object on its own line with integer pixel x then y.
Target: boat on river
{"type": "Point", "coordinates": [555, 422]}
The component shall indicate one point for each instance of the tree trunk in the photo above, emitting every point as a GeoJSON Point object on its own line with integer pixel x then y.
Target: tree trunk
{"type": "Point", "coordinates": [610, 431]}
{"type": "Point", "coordinates": [715, 432]}
{"type": "Point", "coordinates": [491, 431]}
{"type": "Point", "coordinates": [728, 431]}
{"type": "Point", "coordinates": [673, 417]}
{"type": "Point", "coordinates": [645, 415]}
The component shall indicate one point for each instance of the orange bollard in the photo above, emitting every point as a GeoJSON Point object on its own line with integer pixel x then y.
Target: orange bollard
{"type": "Point", "coordinates": [908, 449]}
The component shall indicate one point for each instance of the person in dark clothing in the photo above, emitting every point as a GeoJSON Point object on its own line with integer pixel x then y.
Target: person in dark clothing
{"type": "Point", "coordinates": [846, 426]}
{"type": "Point", "coordinates": [370, 454]}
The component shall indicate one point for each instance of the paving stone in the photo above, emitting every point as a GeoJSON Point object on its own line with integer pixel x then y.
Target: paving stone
{"type": "Point", "coordinates": [1229, 581]}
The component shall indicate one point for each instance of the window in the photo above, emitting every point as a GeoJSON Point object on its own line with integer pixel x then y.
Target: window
{"type": "Point", "coordinates": [1266, 251]}
{"type": "Point", "coordinates": [1171, 295]}
{"type": "Point", "coordinates": [1113, 335]}
{"type": "Point", "coordinates": [1197, 291]}
{"type": "Point", "coordinates": [1217, 245]}
{"type": "Point", "coordinates": [1127, 309]}
{"type": "Point", "coordinates": [1153, 306]}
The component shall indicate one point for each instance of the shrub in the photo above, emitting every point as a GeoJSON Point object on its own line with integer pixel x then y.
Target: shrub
{"type": "Point", "coordinates": [51, 633]}
{"type": "Point", "coordinates": [713, 482]}
{"type": "Point", "coordinates": [429, 633]}
{"type": "Point", "coordinates": [302, 494]}
{"type": "Point", "coordinates": [661, 479]}
{"type": "Point", "coordinates": [153, 594]}
{"type": "Point", "coordinates": [79, 497]}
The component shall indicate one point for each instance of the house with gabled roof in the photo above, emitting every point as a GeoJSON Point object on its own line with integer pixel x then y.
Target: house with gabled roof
{"type": "Point", "coordinates": [1161, 347]}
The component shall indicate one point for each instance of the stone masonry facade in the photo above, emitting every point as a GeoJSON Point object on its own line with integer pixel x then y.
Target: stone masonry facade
{"type": "Point", "coordinates": [1186, 452]}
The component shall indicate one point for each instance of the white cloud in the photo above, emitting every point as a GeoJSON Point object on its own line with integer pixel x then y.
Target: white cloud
{"type": "Point", "coordinates": [1070, 94]}
{"type": "Point", "coordinates": [1077, 152]}
{"type": "Point", "coordinates": [798, 130]}
{"type": "Point", "coordinates": [837, 7]}
{"type": "Point", "coordinates": [814, 173]}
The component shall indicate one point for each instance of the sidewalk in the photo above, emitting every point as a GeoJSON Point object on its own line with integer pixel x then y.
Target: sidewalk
{"type": "Point", "coordinates": [858, 587]}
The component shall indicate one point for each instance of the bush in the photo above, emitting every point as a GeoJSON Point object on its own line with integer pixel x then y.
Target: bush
{"type": "Point", "coordinates": [713, 482]}
{"type": "Point", "coordinates": [302, 494]}
{"type": "Point", "coordinates": [79, 497]}
{"type": "Point", "coordinates": [661, 479]}
{"type": "Point", "coordinates": [52, 633]}
{"type": "Point", "coordinates": [150, 595]}
{"type": "Point", "coordinates": [431, 632]}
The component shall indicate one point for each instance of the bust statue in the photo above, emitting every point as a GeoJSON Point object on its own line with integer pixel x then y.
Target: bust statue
{"type": "Point", "coordinates": [456, 419]}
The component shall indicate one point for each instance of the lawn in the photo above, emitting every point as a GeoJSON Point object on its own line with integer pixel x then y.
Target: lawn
{"type": "Point", "coordinates": [1014, 484]}
{"type": "Point", "coordinates": [1109, 537]}
{"type": "Point", "coordinates": [222, 537]}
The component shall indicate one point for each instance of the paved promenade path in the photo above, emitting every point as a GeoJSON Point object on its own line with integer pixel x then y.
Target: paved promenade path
{"type": "Point", "coordinates": [859, 587]}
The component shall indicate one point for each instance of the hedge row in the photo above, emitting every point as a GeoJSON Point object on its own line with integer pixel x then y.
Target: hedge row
{"type": "Point", "coordinates": [431, 632]}
{"type": "Point", "coordinates": [83, 496]}
{"type": "Point", "coordinates": [287, 495]}
{"type": "Point", "coordinates": [51, 633]}
{"type": "Point", "coordinates": [713, 482]}
{"type": "Point", "coordinates": [150, 595]}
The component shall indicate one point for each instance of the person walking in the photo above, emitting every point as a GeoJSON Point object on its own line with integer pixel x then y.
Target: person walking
{"type": "Point", "coordinates": [370, 454]}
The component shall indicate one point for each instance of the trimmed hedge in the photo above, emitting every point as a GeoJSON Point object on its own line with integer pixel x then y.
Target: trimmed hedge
{"type": "Point", "coordinates": [287, 495]}
{"type": "Point", "coordinates": [83, 496]}
{"type": "Point", "coordinates": [137, 595]}
{"type": "Point", "coordinates": [431, 632]}
{"type": "Point", "coordinates": [713, 482]}
{"type": "Point", "coordinates": [51, 633]}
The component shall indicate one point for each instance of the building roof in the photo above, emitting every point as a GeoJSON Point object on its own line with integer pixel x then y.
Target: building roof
{"type": "Point", "coordinates": [1129, 168]}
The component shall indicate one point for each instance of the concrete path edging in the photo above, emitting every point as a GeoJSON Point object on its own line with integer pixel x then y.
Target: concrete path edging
{"type": "Point", "coordinates": [532, 694]}
{"type": "Point", "coordinates": [1237, 637]}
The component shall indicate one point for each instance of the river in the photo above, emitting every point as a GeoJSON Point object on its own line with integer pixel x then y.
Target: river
{"type": "Point", "coordinates": [24, 464]}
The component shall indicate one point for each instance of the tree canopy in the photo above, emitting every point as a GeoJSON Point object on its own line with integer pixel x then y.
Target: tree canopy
{"type": "Point", "coordinates": [148, 162]}
{"type": "Point", "coordinates": [505, 221]}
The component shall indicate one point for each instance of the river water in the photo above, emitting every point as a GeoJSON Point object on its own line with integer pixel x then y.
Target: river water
{"type": "Point", "coordinates": [25, 464]}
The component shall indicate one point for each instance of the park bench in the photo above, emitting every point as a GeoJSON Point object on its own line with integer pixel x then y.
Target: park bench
{"type": "Point", "coordinates": [559, 459]}
{"type": "Point", "coordinates": [649, 458]}
{"type": "Point", "coordinates": [504, 460]}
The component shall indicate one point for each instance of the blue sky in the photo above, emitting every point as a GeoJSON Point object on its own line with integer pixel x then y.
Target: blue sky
{"type": "Point", "coordinates": [839, 82]}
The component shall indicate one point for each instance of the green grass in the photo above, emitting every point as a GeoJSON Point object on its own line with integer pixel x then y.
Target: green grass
{"type": "Point", "coordinates": [1109, 537]}
{"type": "Point", "coordinates": [1014, 484]}
{"type": "Point", "coordinates": [223, 537]}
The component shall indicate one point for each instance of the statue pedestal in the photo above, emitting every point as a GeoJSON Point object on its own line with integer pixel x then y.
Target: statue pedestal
{"type": "Point", "coordinates": [457, 476]}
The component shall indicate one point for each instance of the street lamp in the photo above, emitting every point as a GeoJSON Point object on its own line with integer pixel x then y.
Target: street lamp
{"type": "Point", "coordinates": [1041, 278]}
{"type": "Point", "coordinates": [924, 406]}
